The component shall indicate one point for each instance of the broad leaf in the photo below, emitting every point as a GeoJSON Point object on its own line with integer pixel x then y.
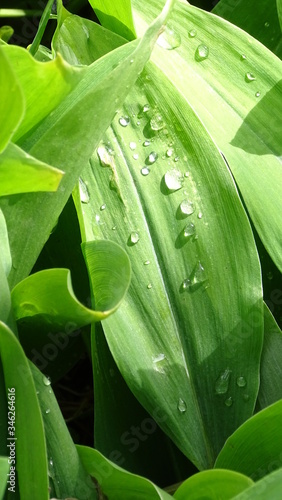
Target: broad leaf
{"type": "Point", "coordinates": [255, 448]}
{"type": "Point", "coordinates": [268, 487]}
{"type": "Point", "coordinates": [214, 485]}
{"type": "Point", "coordinates": [117, 483]}
{"type": "Point", "coordinates": [116, 16]}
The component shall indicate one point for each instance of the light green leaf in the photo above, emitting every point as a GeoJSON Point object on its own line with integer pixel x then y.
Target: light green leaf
{"type": "Point", "coordinates": [29, 432]}
{"type": "Point", "coordinates": [49, 293]}
{"type": "Point", "coordinates": [5, 255]}
{"type": "Point", "coordinates": [6, 32]}
{"type": "Point", "coordinates": [116, 16]}
{"type": "Point", "coordinates": [12, 101]}
{"type": "Point", "coordinates": [80, 119]}
{"type": "Point", "coordinates": [241, 114]}
{"type": "Point", "coordinates": [4, 469]}
{"type": "Point", "coordinates": [115, 482]}
{"type": "Point", "coordinates": [255, 448]}
{"type": "Point", "coordinates": [270, 389]}
{"type": "Point", "coordinates": [268, 487]}
{"type": "Point", "coordinates": [214, 485]}
{"type": "Point", "coordinates": [21, 173]}
{"type": "Point", "coordinates": [67, 474]}
{"type": "Point", "coordinates": [259, 19]}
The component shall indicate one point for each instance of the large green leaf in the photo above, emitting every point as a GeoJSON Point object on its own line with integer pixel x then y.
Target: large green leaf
{"type": "Point", "coordinates": [214, 485]}
{"type": "Point", "coordinates": [80, 118]}
{"type": "Point", "coordinates": [116, 16]}
{"type": "Point", "coordinates": [260, 19]}
{"type": "Point", "coordinates": [268, 487]}
{"type": "Point", "coordinates": [117, 483]}
{"type": "Point", "coordinates": [49, 294]}
{"type": "Point", "coordinates": [168, 351]}
{"type": "Point", "coordinates": [255, 448]}
{"type": "Point", "coordinates": [29, 433]}
{"type": "Point", "coordinates": [236, 92]}
{"type": "Point", "coordinates": [12, 101]}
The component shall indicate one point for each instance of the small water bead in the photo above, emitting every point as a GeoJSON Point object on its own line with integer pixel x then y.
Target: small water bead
{"type": "Point", "coordinates": [222, 382]}
{"type": "Point", "coordinates": [135, 156]}
{"type": "Point", "coordinates": [114, 228]}
{"type": "Point", "coordinates": [98, 220]}
{"type": "Point", "coordinates": [124, 121]}
{"type": "Point", "coordinates": [186, 284]}
{"type": "Point", "coordinates": [47, 411]}
{"type": "Point", "coordinates": [83, 192]}
{"type": "Point", "coordinates": [200, 215]}
{"type": "Point", "coordinates": [186, 174]}
{"type": "Point", "coordinates": [51, 462]}
{"type": "Point", "coordinates": [257, 94]}
{"type": "Point", "coordinates": [134, 237]}
{"type": "Point", "coordinates": [266, 24]}
{"type": "Point", "coordinates": [131, 61]}
{"type": "Point", "coordinates": [243, 57]}
{"type": "Point", "coordinates": [228, 402]}
{"type": "Point", "coordinates": [146, 143]}
{"type": "Point", "coordinates": [146, 108]}
{"type": "Point", "coordinates": [176, 159]}
{"type": "Point", "coordinates": [246, 397]}
{"type": "Point", "coordinates": [249, 77]}
{"type": "Point", "coordinates": [186, 207]}
{"type": "Point", "coordinates": [157, 122]}
{"type": "Point", "coordinates": [169, 152]}
{"type": "Point", "coordinates": [170, 39]}
{"type": "Point", "coordinates": [146, 263]}
{"type": "Point", "coordinates": [145, 171]}
{"type": "Point", "coordinates": [181, 405]}
{"type": "Point", "coordinates": [46, 380]}
{"type": "Point", "coordinates": [132, 145]}
{"type": "Point", "coordinates": [192, 33]}
{"type": "Point", "coordinates": [197, 277]}
{"type": "Point", "coordinates": [241, 382]}
{"type": "Point", "coordinates": [103, 207]}
{"type": "Point", "coordinates": [149, 286]}
{"type": "Point", "coordinates": [153, 156]}
{"type": "Point", "coordinates": [173, 179]}
{"type": "Point", "coordinates": [202, 52]}
{"type": "Point", "coordinates": [189, 230]}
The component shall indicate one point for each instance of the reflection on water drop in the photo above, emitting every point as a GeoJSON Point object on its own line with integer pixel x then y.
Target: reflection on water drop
{"type": "Point", "coordinates": [243, 57]}
{"type": "Point", "coordinates": [192, 33]}
{"type": "Point", "coordinates": [169, 152]}
{"type": "Point", "coordinates": [46, 380]}
{"type": "Point", "coordinates": [149, 286]}
{"type": "Point", "coordinates": [257, 94]}
{"type": "Point", "coordinates": [145, 171]}
{"type": "Point", "coordinates": [135, 156]}
{"type": "Point", "coordinates": [83, 191]}
{"type": "Point", "coordinates": [228, 402]}
{"type": "Point", "coordinates": [153, 156]}
{"type": "Point", "coordinates": [186, 284]}
{"type": "Point", "coordinates": [146, 108]}
{"type": "Point", "coordinates": [222, 382]}
{"type": "Point", "coordinates": [173, 179]}
{"type": "Point", "coordinates": [124, 121]}
{"type": "Point", "coordinates": [146, 263]}
{"type": "Point", "coordinates": [146, 143]}
{"type": "Point", "coordinates": [47, 411]}
{"type": "Point", "coordinates": [187, 207]}
{"type": "Point", "coordinates": [102, 207]}
{"type": "Point", "coordinates": [134, 237]}
{"type": "Point", "coordinates": [202, 52]}
{"type": "Point", "coordinates": [170, 39]}
{"type": "Point", "coordinates": [189, 230]}
{"type": "Point", "coordinates": [157, 122]}
{"type": "Point", "coordinates": [249, 77]}
{"type": "Point", "coordinates": [200, 215]}
{"type": "Point", "coordinates": [241, 382]}
{"type": "Point", "coordinates": [266, 24]}
{"type": "Point", "coordinates": [181, 406]}
{"type": "Point", "coordinates": [132, 145]}
{"type": "Point", "coordinates": [160, 363]}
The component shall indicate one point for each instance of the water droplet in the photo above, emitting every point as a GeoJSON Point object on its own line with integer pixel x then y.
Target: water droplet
{"type": "Point", "coordinates": [186, 174]}
{"type": "Point", "coordinates": [187, 207]}
{"type": "Point", "coordinates": [241, 382]}
{"type": "Point", "coordinates": [51, 462]}
{"type": "Point", "coordinates": [228, 402]}
{"type": "Point", "coordinates": [222, 382]}
{"type": "Point", "coordinates": [98, 221]}
{"type": "Point", "coordinates": [159, 363]}
{"type": "Point", "coordinates": [124, 121]}
{"type": "Point", "coordinates": [114, 228]}
{"type": "Point", "coordinates": [47, 411]}
{"type": "Point", "coordinates": [146, 263]}
{"type": "Point", "coordinates": [257, 94]}
{"type": "Point", "coordinates": [149, 286]}
{"type": "Point", "coordinates": [200, 215]}
{"type": "Point", "coordinates": [46, 380]}
{"type": "Point", "coordinates": [176, 159]}
{"type": "Point", "coordinates": [249, 77]}
{"type": "Point", "coordinates": [146, 108]}
{"type": "Point", "coordinates": [134, 237]}
{"type": "Point", "coordinates": [37, 392]}
{"type": "Point", "coordinates": [186, 284]}
{"type": "Point", "coordinates": [169, 39]}
{"type": "Point", "coordinates": [269, 275]}
{"type": "Point", "coordinates": [102, 207]}
{"type": "Point", "coordinates": [246, 397]}
{"type": "Point", "coordinates": [105, 154]}
{"type": "Point", "coordinates": [131, 61]}
{"type": "Point", "coordinates": [83, 191]}
{"type": "Point", "coordinates": [157, 122]}
{"type": "Point", "coordinates": [198, 275]}
{"type": "Point", "coordinates": [202, 52]}
{"type": "Point", "coordinates": [192, 33]}
{"type": "Point", "coordinates": [153, 156]}
{"type": "Point", "coordinates": [266, 24]}
{"type": "Point", "coordinates": [181, 405]}
{"type": "Point", "coordinates": [146, 143]}
{"type": "Point", "coordinates": [169, 152]}
{"type": "Point", "coordinates": [243, 57]}
{"type": "Point", "coordinates": [173, 179]}
{"type": "Point", "coordinates": [189, 230]}
{"type": "Point", "coordinates": [132, 145]}
{"type": "Point", "coordinates": [135, 156]}
{"type": "Point", "coordinates": [145, 171]}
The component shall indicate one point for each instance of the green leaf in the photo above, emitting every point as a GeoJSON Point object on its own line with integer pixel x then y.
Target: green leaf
{"type": "Point", "coordinates": [49, 293]}
{"type": "Point", "coordinates": [264, 25]}
{"type": "Point", "coordinates": [279, 10]}
{"type": "Point", "coordinates": [12, 101]}
{"type": "Point", "coordinates": [21, 173]}
{"type": "Point", "coordinates": [268, 487]}
{"type": "Point", "coordinates": [270, 389]}
{"type": "Point", "coordinates": [41, 28]}
{"type": "Point", "coordinates": [68, 476]}
{"type": "Point", "coordinates": [255, 448]}
{"type": "Point", "coordinates": [4, 469]}
{"type": "Point", "coordinates": [92, 104]}
{"type": "Point", "coordinates": [6, 32]}
{"type": "Point", "coordinates": [214, 485]}
{"type": "Point", "coordinates": [5, 255]}
{"type": "Point", "coordinates": [245, 127]}
{"type": "Point", "coordinates": [29, 432]}
{"type": "Point", "coordinates": [116, 16]}
{"type": "Point", "coordinates": [115, 482]}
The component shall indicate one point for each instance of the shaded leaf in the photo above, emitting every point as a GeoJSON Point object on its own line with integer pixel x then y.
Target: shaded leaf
{"type": "Point", "coordinates": [116, 16]}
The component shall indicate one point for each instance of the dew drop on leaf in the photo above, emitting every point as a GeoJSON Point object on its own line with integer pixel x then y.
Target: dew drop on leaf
{"type": "Point", "coordinates": [46, 380]}
{"type": "Point", "coordinates": [134, 237]}
{"type": "Point", "coordinates": [149, 286]}
{"type": "Point", "coordinates": [159, 363]}
{"type": "Point", "coordinates": [146, 108]}
{"type": "Point", "coordinates": [202, 52]}
{"type": "Point", "coordinates": [173, 179]}
{"type": "Point", "coordinates": [132, 145]}
{"type": "Point", "coordinates": [181, 406]}
{"type": "Point", "coordinates": [246, 397]}
{"type": "Point", "coordinates": [241, 382]}
{"type": "Point", "coordinates": [186, 284]}
{"type": "Point", "coordinates": [222, 382]}
{"type": "Point", "coordinates": [124, 121]}
{"type": "Point", "coordinates": [243, 57]}
{"type": "Point", "coordinates": [249, 77]}
{"type": "Point", "coordinates": [200, 215]}
{"type": "Point", "coordinates": [187, 207]}
{"type": "Point", "coordinates": [192, 33]}
{"type": "Point", "coordinates": [146, 143]}
{"type": "Point", "coordinates": [189, 230]}
{"type": "Point", "coordinates": [47, 411]}
{"type": "Point", "coordinates": [257, 94]}
{"type": "Point", "coordinates": [228, 402]}
{"type": "Point", "coordinates": [103, 207]}
{"type": "Point", "coordinates": [266, 24]}
{"type": "Point", "coordinates": [153, 156]}
{"type": "Point", "coordinates": [170, 39]}
{"type": "Point", "coordinates": [145, 171]}
{"type": "Point", "coordinates": [83, 191]}
{"type": "Point", "coordinates": [146, 263]}
{"type": "Point", "coordinates": [169, 152]}
{"type": "Point", "coordinates": [135, 156]}
{"type": "Point", "coordinates": [157, 122]}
